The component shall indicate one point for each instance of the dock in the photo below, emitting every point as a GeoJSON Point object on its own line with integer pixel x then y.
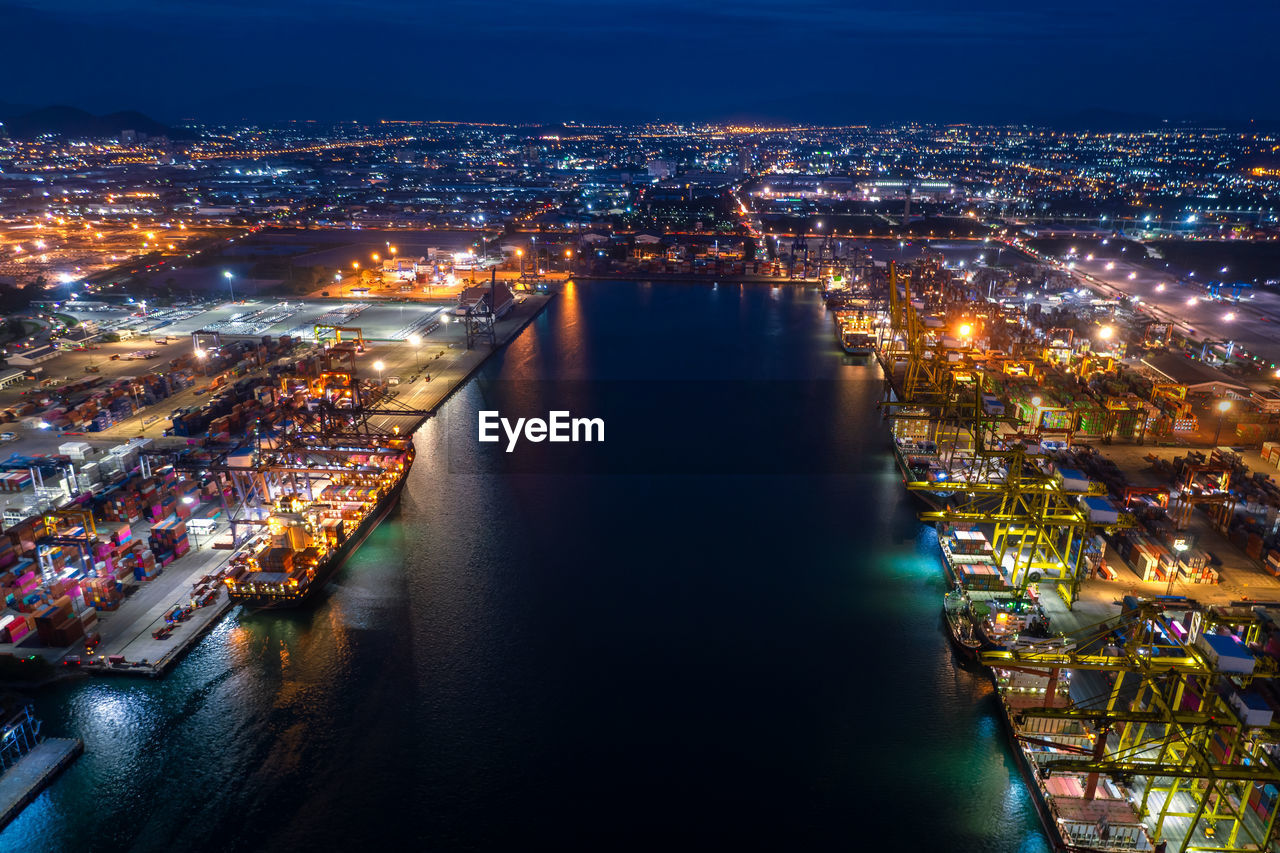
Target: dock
{"type": "Point", "coordinates": [442, 364]}
{"type": "Point", "coordinates": [422, 376]}
{"type": "Point", "coordinates": [128, 634]}
{"type": "Point", "coordinates": [24, 781]}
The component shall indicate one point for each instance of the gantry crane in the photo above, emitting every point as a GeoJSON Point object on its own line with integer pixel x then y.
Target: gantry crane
{"type": "Point", "coordinates": [1208, 486]}
{"type": "Point", "coordinates": [937, 395]}
{"type": "Point", "coordinates": [1039, 527]}
{"type": "Point", "coordinates": [930, 385]}
{"type": "Point", "coordinates": [1174, 730]}
{"type": "Point", "coordinates": [337, 332]}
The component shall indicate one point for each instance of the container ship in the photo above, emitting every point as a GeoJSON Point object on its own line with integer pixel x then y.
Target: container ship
{"type": "Point", "coordinates": [1081, 811]}
{"type": "Point", "coordinates": [315, 523]}
{"type": "Point", "coordinates": [855, 328]}
{"type": "Point", "coordinates": [983, 612]}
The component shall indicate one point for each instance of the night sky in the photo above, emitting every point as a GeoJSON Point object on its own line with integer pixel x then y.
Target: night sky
{"type": "Point", "coordinates": [816, 60]}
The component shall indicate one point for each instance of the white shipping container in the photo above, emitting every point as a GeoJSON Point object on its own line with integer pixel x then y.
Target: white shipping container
{"type": "Point", "coordinates": [16, 515]}
{"type": "Point", "coordinates": [1252, 708]}
{"type": "Point", "coordinates": [77, 450]}
{"type": "Point", "coordinates": [1226, 653]}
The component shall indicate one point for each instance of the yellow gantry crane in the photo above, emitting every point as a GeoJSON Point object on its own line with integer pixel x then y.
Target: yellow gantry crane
{"type": "Point", "coordinates": [1175, 730]}
{"type": "Point", "coordinates": [936, 396]}
{"type": "Point", "coordinates": [930, 378]}
{"type": "Point", "coordinates": [1038, 525]}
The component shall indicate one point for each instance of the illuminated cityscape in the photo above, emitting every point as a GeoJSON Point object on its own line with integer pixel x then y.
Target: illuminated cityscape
{"type": "Point", "coordinates": [392, 459]}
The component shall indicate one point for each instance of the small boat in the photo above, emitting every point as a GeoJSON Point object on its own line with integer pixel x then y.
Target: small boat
{"type": "Point", "coordinates": [1001, 622]}
{"type": "Point", "coordinates": [955, 607]}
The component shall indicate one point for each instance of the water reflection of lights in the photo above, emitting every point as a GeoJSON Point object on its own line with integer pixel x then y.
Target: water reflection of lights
{"type": "Point", "coordinates": [110, 709]}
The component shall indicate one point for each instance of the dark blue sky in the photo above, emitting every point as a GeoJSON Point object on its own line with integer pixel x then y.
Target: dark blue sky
{"type": "Point", "coordinates": [818, 60]}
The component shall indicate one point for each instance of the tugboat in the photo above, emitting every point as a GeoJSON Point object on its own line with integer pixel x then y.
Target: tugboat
{"type": "Point", "coordinates": [955, 607]}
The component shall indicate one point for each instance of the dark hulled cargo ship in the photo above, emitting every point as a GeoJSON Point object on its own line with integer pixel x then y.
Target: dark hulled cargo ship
{"type": "Point", "coordinates": [307, 537]}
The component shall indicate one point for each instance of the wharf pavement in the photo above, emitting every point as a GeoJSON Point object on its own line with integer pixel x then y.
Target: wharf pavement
{"type": "Point", "coordinates": [432, 372]}
{"type": "Point", "coordinates": [23, 782]}
{"type": "Point", "coordinates": [127, 631]}
{"type": "Point", "coordinates": [130, 635]}
{"type": "Point", "coordinates": [1241, 577]}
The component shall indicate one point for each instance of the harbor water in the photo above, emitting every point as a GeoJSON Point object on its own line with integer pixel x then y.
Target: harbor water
{"type": "Point", "coordinates": [719, 627]}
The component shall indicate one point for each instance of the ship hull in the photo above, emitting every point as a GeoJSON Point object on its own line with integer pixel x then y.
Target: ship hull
{"type": "Point", "coordinates": [930, 501]}
{"type": "Point", "coordinates": [1028, 771]}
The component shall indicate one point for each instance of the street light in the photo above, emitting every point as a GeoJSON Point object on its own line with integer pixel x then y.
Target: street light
{"type": "Point", "coordinates": [415, 341]}
{"type": "Point", "coordinates": [1179, 546]}
{"type": "Point", "coordinates": [965, 330]}
{"type": "Point", "coordinates": [230, 283]}
{"type": "Point", "coordinates": [1106, 332]}
{"type": "Point", "coordinates": [200, 357]}
{"type": "Point", "coordinates": [1224, 406]}
{"type": "Point", "coordinates": [378, 366]}
{"type": "Point", "coordinates": [520, 255]}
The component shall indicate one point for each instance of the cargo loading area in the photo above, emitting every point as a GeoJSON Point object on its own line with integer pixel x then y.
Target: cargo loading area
{"type": "Point", "coordinates": [136, 505]}
{"type": "Point", "coordinates": [1109, 525]}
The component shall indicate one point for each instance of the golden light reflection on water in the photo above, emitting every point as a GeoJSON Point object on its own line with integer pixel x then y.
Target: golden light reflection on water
{"type": "Point", "coordinates": [569, 330]}
{"type": "Point", "coordinates": [239, 642]}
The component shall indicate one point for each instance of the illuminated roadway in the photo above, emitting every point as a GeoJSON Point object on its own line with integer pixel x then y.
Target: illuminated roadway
{"type": "Point", "coordinates": [1254, 323]}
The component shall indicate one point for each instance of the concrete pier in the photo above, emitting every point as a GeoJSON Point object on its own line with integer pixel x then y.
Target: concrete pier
{"type": "Point", "coordinates": [444, 358]}
{"type": "Point", "coordinates": [128, 632]}
{"type": "Point", "coordinates": [24, 781]}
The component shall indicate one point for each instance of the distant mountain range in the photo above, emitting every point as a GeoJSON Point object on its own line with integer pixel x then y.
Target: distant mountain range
{"type": "Point", "coordinates": [22, 121]}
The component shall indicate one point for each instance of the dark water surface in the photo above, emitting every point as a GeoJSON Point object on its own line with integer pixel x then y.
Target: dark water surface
{"type": "Point", "coordinates": [673, 639]}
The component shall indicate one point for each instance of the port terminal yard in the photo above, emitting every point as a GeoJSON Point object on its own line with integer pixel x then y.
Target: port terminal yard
{"type": "Point", "coordinates": [164, 616]}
